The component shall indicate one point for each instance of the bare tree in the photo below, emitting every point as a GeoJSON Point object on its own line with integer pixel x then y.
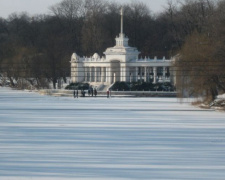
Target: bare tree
{"type": "Point", "coordinates": [94, 35]}
{"type": "Point", "coordinates": [199, 69]}
{"type": "Point", "coordinates": [69, 9]}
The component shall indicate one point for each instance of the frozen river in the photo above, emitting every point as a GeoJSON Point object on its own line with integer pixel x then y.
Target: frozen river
{"type": "Point", "coordinates": [43, 137]}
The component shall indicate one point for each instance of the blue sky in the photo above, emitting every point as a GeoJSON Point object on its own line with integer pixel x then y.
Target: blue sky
{"type": "Point", "coordinates": [33, 7]}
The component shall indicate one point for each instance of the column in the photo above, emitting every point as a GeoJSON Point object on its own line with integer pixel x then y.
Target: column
{"type": "Point", "coordinates": [85, 74]}
{"type": "Point", "coordinates": [155, 74]}
{"type": "Point", "coordinates": [102, 74]}
{"type": "Point", "coordinates": [108, 75]}
{"type": "Point", "coordinates": [127, 74]}
{"type": "Point", "coordinates": [141, 74]}
{"type": "Point", "coordinates": [122, 74]}
{"type": "Point", "coordinates": [96, 75]}
{"type": "Point", "coordinates": [145, 74]}
{"type": "Point", "coordinates": [169, 74]}
{"type": "Point", "coordinates": [131, 77]}
{"type": "Point", "coordinates": [99, 74]}
{"type": "Point", "coordinates": [136, 77]}
{"type": "Point", "coordinates": [164, 74]}
{"type": "Point", "coordinates": [75, 74]}
{"type": "Point", "coordinates": [90, 74]}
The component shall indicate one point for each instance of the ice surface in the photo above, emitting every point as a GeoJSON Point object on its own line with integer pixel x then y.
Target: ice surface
{"type": "Point", "coordinates": [57, 138]}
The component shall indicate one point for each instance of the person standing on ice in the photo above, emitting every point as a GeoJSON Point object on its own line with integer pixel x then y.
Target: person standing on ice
{"type": "Point", "coordinates": [77, 93]}
{"type": "Point", "coordinates": [92, 92]}
{"type": "Point", "coordinates": [95, 92]}
{"type": "Point", "coordinates": [107, 93]}
{"type": "Point", "coordinates": [74, 94]}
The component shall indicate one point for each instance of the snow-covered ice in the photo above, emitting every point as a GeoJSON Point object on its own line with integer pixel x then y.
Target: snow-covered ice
{"type": "Point", "coordinates": [57, 138]}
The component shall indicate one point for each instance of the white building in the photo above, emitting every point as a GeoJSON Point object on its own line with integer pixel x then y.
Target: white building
{"type": "Point", "coordinates": [120, 63]}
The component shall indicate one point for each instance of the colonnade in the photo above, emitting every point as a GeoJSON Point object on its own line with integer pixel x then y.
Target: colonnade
{"type": "Point", "coordinates": [147, 74]}
{"type": "Point", "coordinates": [96, 74]}
{"type": "Point", "coordinates": [128, 74]}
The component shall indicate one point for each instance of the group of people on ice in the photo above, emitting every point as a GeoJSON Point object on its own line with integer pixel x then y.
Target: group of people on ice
{"type": "Point", "coordinates": [91, 92]}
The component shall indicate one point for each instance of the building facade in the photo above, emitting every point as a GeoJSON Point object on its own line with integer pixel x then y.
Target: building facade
{"type": "Point", "coordinates": [120, 63]}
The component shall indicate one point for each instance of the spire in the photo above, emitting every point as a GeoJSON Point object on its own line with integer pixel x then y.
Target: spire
{"type": "Point", "coordinates": [122, 40]}
{"type": "Point", "coordinates": [121, 20]}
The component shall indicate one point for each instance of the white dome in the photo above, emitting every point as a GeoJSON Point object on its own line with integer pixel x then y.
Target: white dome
{"type": "Point", "coordinates": [75, 57]}
{"type": "Point", "coordinates": [96, 56]}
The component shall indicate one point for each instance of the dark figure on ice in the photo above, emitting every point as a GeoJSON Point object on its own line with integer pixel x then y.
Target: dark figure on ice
{"type": "Point", "coordinates": [83, 93]}
{"type": "Point", "coordinates": [92, 92]}
{"type": "Point", "coordinates": [107, 93]}
{"type": "Point", "coordinates": [95, 92]}
{"type": "Point", "coordinates": [77, 93]}
{"type": "Point", "coordinates": [74, 93]}
{"type": "Point", "coordinates": [89, 92]}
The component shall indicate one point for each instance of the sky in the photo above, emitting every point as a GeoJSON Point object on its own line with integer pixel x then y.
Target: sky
{"type": "Point", "coordinates": [33, 7]}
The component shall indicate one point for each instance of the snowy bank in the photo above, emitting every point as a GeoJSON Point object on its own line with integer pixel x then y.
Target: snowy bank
{"type": "Point", "coordinates": [219, 102]}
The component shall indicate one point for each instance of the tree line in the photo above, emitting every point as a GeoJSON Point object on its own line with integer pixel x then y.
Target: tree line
{"type": "Point", "coordinates": [38, 48]}
{"type": "Point", "coordinates": [200, 61]}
